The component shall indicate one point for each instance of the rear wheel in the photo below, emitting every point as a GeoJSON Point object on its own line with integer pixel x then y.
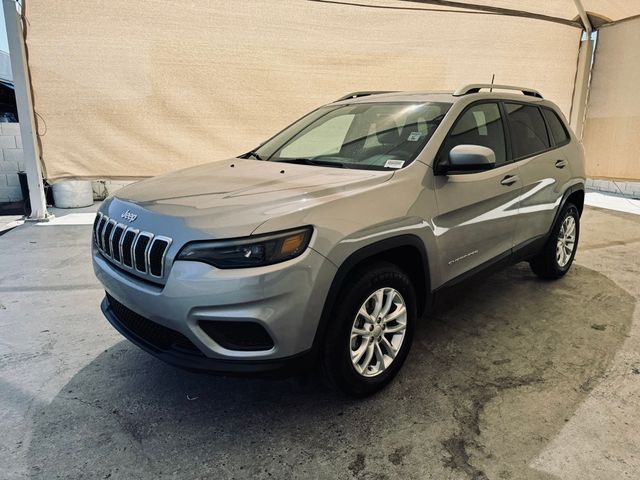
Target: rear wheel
{"type": "Point", "coordinates": [371, 331]}
{"type": "Point", "coordinates": [555, 259]}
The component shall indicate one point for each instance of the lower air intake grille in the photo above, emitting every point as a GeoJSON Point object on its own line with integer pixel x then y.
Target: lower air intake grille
{"type": "Point", "coordinates": [244, 336]}
{"type": "Point", "coordinates": [158, 336]}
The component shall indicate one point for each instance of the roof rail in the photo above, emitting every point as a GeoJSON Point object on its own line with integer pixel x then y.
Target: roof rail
{"type": "Point", "coordinates": [476, 87]}
{"type": "Point", "coordinates": [352, 95]}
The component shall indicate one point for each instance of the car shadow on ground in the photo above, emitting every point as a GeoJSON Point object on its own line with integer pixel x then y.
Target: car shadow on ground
{"type": "Point", "coordinates": [491, 378]}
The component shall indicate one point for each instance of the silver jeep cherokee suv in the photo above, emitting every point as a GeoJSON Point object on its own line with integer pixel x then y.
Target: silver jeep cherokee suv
{"type": "Point", "coordinates": [324, 245]}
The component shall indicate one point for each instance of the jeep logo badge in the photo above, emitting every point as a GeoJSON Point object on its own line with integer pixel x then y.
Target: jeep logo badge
{"type": "Point", "coordinates": [129, 216]}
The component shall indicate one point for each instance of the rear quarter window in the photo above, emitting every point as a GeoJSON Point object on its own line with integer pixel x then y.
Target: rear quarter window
{"type": "Point", "coordinates": [528, 130]}
{"type": "Point", "coordinates": [557, 128]}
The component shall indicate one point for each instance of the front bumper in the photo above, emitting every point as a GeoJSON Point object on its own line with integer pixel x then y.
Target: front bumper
{"type": "Point", "coordinates": [285, 299]}
{"type": "Point", "coordinates": [195, 361]}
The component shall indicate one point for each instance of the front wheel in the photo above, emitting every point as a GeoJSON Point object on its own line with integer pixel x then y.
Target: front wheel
{"type": "Point", "coordinates": [371, 331]}
{"type": "Point", "coordinates": [555, 259]}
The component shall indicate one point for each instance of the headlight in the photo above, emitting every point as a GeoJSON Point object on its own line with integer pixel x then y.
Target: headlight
{"type": "Point", "coordinates": [250, 251]}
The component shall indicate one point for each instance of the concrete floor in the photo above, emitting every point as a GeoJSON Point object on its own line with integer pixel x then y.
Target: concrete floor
{"type": "Point", "coordinates": [520, 379]}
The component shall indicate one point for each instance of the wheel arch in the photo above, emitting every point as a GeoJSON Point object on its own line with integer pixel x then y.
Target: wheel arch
{"type": "Point", "coordinates": [576, 196]}
{"type": "Point", "coordinates": [408, 252]}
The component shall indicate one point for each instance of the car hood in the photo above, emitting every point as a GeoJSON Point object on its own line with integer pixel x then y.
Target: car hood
{"type": "Point", "coordinates": [232, 198]}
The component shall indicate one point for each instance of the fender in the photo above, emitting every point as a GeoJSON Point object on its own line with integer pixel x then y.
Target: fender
{"type": "Point", "coordinates": [567, 193]}
{"type": "Point", "coordinates": [353, 261]}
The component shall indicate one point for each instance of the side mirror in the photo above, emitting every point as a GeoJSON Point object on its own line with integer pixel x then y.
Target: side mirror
{"type": "Point", "coordinates": [466, 158]}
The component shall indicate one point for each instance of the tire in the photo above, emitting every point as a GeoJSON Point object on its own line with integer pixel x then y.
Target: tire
{"type": "Point", "coordinates": [550, 264]}
{"type": "Point", "coordinates": [382, 333]}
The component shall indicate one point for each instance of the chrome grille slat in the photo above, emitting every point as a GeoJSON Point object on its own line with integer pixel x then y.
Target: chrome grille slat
{"type": "Point", "coordinates": [101, 224]}
{"type": "Point", "coordinates": [96, 222]}
{"type": "Point", "coordinates": [116, 236]}
{"type": "Point", "coordinates": [111, 239]}
{"type": "Point", "coordinates": [137, 241]}
{"type": "Point", "coordinates": [104, 229]}
{"type": "Point", "coordinates": [129, 253]}
{"type": "Point", "coordinates": [108, 237]}
{"type": "Point", "coordinates": [160, 262]}
{"type": "Point", "coordinates": [120, 242]}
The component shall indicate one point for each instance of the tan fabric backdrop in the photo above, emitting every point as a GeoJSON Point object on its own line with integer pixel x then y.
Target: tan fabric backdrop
{"type": "Point", "coordinates": [612, 129]}
{"type": "Point", "coordinates": [130, 89]}
{"type": "Point", "coordinates": [566, 9]}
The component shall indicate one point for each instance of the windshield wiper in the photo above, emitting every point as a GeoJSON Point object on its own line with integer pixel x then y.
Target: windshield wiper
{"type": "Point", "coordinates": [310, 161]}
{"type": "Point", "coordinates": [253, 154]}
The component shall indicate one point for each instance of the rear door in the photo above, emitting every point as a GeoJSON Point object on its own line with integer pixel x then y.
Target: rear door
{"type": "Point", "coordinates": [544, 169]}
{"type": "Point", "coordinates": [477, 211]}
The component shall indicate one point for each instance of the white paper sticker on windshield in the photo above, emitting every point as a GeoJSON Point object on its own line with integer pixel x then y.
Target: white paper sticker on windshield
{"type": "Point", "coordinates": [394, 164]}
{"type": "Point", "coordinates": [414, 136]}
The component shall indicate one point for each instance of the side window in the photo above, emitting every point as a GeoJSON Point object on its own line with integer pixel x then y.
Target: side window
{"type": "Point", "coordinates": [327, 139]}
{"type": "Point", "coordinates": [479, 125]}
{"type": "Point", "coordinates": [528, 131]}
{"type": "Point", "coordinates": [558, 131]}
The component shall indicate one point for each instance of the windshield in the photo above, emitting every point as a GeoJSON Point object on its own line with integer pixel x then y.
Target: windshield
{"type": "Point", "coordinates": [364, 135]}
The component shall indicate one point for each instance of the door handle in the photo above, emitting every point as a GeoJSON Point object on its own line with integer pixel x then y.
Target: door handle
{"type": "Point", "coordinates": [561, 163]}
{"type": "Point", "coordinates": [509, 180]}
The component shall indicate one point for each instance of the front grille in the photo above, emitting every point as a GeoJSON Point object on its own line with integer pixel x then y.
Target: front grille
{"type": "Point", "coordinates": [158, 336]}
{"type": "Point", "coordinates": [130, 248]}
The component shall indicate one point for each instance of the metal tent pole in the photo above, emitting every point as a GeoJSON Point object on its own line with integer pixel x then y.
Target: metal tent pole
{"type": "Point", "coordinates": [25, 111]}
{"type": "Point", "coordinates": [579, 109]}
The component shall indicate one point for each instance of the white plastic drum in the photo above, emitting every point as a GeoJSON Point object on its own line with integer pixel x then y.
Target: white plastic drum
{"type": "Point", "coordinates": [72, 194]}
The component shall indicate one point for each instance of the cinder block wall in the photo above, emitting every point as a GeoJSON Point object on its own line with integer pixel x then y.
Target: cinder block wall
{"type": "Point", "coordinates": [624, 188]}
{"type": "Point", "coordinates": [11, 162]}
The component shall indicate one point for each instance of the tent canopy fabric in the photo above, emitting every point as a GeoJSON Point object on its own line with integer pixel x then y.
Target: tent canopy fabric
{"type": "Point", "coordinates": [610, 10]}
{"type": "Point", "coordinates": [133, 89]}
{"type": "Point", "coordinates": [612, 128]}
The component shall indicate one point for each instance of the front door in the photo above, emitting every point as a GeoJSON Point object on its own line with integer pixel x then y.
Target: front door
{"type": "Point", "coordinates": [477, 211]}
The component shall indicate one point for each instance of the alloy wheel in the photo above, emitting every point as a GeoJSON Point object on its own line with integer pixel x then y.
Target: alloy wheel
{"type": "Point", "coordinates": [566, 241]}
{"type": "Point", "coordinates": [378, 332]}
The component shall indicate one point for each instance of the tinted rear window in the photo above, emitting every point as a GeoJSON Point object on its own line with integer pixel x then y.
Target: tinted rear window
{"type": "Point", "coordinates": [558, 131]}
{"type": "Point", "coordinates": [528, 131]}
